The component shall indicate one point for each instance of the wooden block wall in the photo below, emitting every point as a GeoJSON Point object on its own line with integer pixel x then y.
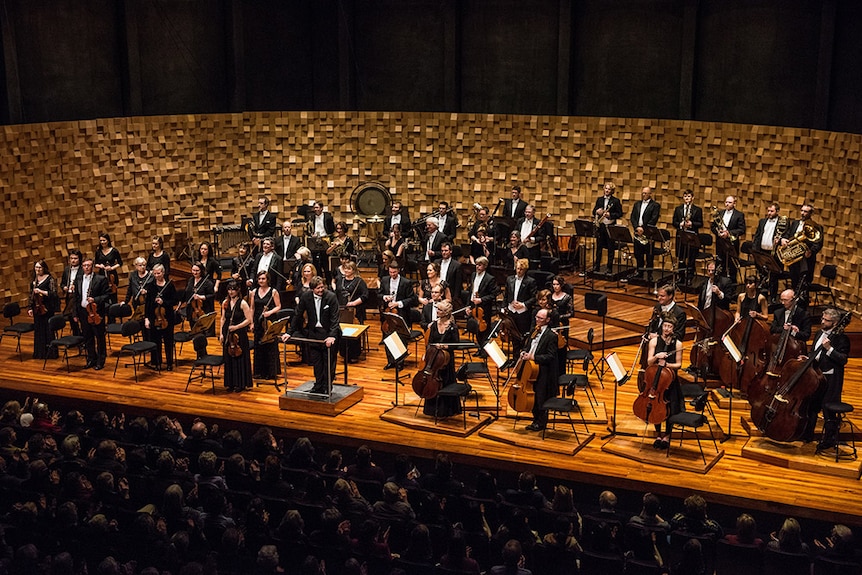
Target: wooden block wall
{"type": "Point", "coordinates": [65, 182]}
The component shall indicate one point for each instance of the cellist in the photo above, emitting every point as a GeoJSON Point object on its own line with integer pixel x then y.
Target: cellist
{"type": "Point", "coordinates": [443, 330]}
{"type": "Point", "coordinates": [666, 352]}
{"type": "Point", "coordinates": [542, 348]}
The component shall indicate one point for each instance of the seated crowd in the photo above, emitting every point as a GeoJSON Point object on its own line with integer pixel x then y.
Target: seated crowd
{"type": "Point", "coordinates": [105, 495]}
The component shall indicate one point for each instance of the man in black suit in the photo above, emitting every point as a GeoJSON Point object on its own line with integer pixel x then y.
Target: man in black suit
{"type": "Point", "coordinates": [450, 270]}
{"type": "Point", "coordinates": [67, 283]}
{"type": "Point", "coordinates": [433, 240]}
{"type": "Point", "coordinates": [92, 288]}
{"type": "Point", "coordinates": [831, 348]}
{"type": "Point", "coordinates": [687, 218]}
{"type": "Point", "coordinates": [398, 215]}
{"type": "Point", "coordinates": [644, 214]}
{"type": "Point", "coordinates": [262, 223]}
{"type": "Point", "coordinates": [429, 311]}
{"type": "Point", "coordinates": [607, 211]}
{"type": "Point", "coordinates": [527, 225]}
{"type": "Point", "coordinates": [728, 236]}
{"type": "Point", "coordinates": [665, 304]}
{"type": "Point", "coordinates": [718, 291]}
{"type": "Point", "coordinates": [268, 261]}
{"type": "Point", "coordinates": [799, 324]}
{"type": "Point", "coordinates": [287, 244]}
{"type": "Point", "coordinates": [805, 266]}
{"type": "Point", "coordinates": [519, 296]}
{"type": "Point", "coordinates": [514, 208]}
{"type": "Point", "coordinates": [542, 349]}
{"type": "Point", "coordinates": [317, 318]}
{"type": "Point", "coordinates": [398, 297]}
{"type": "Point", "coordinates": [447, 220]}
{"type": "Point", "coordinates": [767, 237]}
{"type": "Point", "coordinates": [483, 291]}
{"type": "Point", "coordinates": [321, 226]}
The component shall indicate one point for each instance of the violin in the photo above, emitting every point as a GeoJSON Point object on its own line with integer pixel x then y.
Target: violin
{"type": "Point", "coordinates": [197, 309]}
{"type": "Point", "coordinates": [651, 406]}
{"type": "Point", "coordinates": [111, 282]}
{"type": "Point", "coordinates": [427, 382]}
{"type": "Point", "coordinates": [138, 313]}
{"type": "Point", "coordinates": [39, 307]}
{"type": "Point", "coordinates": [93, 317]}
{"type": "Point", "coordinates": [478, 312]}
{"type": "Point", "coordinates": [234, 349]}
{"type": "Point", "coordinates": [161, 318]}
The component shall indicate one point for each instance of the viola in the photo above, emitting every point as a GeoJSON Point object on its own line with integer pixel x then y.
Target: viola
{"type": "Point", "coordinates": [161, 317]}
{"type": "Point", "coordinates": [522, 393]}
{"type": "Point", "coordinates": [39, 307]}
{"type": "Point", "coordinates": [93, 317]}
{"type": "Point", "coordinates": [427, 382]}
{"type": "Point", "coordinates": [651, 405]}
{"type": "Point", "coordinates": [234, 349]}
{"type": "Point", "coordinates": [112, 284]}
{"type": "Point", "coordinates": [138, 313]}
{"type": "Point", "coordinates": [197, 309]}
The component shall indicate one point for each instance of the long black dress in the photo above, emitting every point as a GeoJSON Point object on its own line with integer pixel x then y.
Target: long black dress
{"type": "Point", "coordinates": [112, 258]}
{"type": "Point", "coordinates": [42, 336]}
{"type": "Point", "coordinates": [444, 406]}
{"type": "Point", "coordinates": [673, 395]}
{"type": "Point", "coordinates": [266, 364]}
{"type": "Point", "coordinates": [237, 370]}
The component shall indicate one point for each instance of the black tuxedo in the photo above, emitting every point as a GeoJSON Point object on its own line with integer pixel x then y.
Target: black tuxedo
{"type": "Point", "coordinates": [274, 268]}
{"type": "Point", "coordinates": [450, 226]}
{"type": "Point", "coordinates": [318, 256]}
{"type": "Point", "coordinates": [94, 335]}
{"type": "Point", "coordinates": [644, 256]}
{"type": "Point", "coordinates": [404, 295]}
{"type": "Point", "coordinates": [427, 315]}
{"type": "Point", "coordinates": [678, 314]}
{"type": "Point", "coordinates": [727, 250]}
{"type": "Point", "coordinates": [615, 212]}
{"type": "Point", "coordinates": [546, 385]}
{"type": "Point", "coordinates": [263, 226]}
{"type": "Point", "coordinates": [526, 295]}
{"type": "Point", "coordinates": [519, 209]}
{"type": "Point", "coordinates": [286, 246]}
{"type": "Point", "coordinates": [683, 254]}
{"type": "Point", "coordinates": [805, 266]}
{"type": "Point", "coordinates": [487, 292]}
{"type": "Point", "coordinates": [305, 323]}
{"type": "Point", "coordinates": [727, 287]}
{"type": "Point", "coordinates": [800, 320]}
{"type": "Point", "coordinates": [453, 277]}
{"type": "Point", "coordinates": [71, 308]}
{"type": "Point", "coordinates": [439, 238]}
{"type": "Point", "coordinates": [537, 238]}
{"type": "Point", "coordinates": [831, 364]}
{"type": "Point", "coordinates": [406, 228]}
{"type": "Point", "coordinates": [758, 235]}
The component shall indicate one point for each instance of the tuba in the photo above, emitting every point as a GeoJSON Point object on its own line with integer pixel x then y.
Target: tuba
{"type": "Point", "coordinates": [797, 246]}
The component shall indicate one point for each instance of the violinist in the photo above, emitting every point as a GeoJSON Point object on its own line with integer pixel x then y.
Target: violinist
{"type": "Point", "coordinates": [834, 350]}
{"type": "Point", "coordinates": [564, 307]}
{"type": "Point", "coordinates": [317, 317]}
{"type": "Point", "coordinates": [136, 294]}
{"type": "Point", "coordinates": [211, 266]}
{"type": "Point", "coordinates": [799, 325]}
{"type": "Point", "coordinates": [233, 335]}
{"type": "Point", "coordinates": [751, 303]}
{"type": "Point", "coordinates": [450, 271]}
{"type": "Point", "coordinates": [43, 305]}
{"type": "Point", "coordinates": [483, 292]}
{"type": "Point", "coordinates": [529, 228]}
{"type": "Point", "coordinates": [666, 351]}
{"type": "Point", "coordinates": [265, 303]}
{"type": "Point", "coordinates": [269, 262]}
{"type": "Point", "coordinates": [93, 292]}
{"type": "Point", "coordinates": [443, 330]}
{"type": "Point", "coordinates": [67, 282]}
{"type": "Point", "coordinates": [542, 348]}
{"type": "Point", "coordinates": [242, 266]}
{"type": "Point", "coordinates": [199, 296]}
{"type": "Point", "coordinates": [395, 243]}
{"type": "Point", "coordinates": [429, 310]}
{"type": "Point", "coordinates": [514, 251]}
{"type": "Point", "coordinates": [159, 317]}
{"type": "Point", "coordinates": [482, 245]}
{"type": "Point", "coordinates": [341, 243]}
{"type": "Point", "coordinates": [159, 256]}
{"type": "Point", "coordinates": [434, 238]}
{"type": "Point", "coordinates": [519, 297]}
{"type": "Point", "coordinates": [294, 274]}
{"type": "Point", "coordinates": [107, 261]}
{"type": "Point", "coordinates": [716, 290]}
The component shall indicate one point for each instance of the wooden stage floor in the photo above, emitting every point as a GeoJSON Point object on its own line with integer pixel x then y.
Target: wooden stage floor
{"type": "Point", "coordinates": [734, 480]}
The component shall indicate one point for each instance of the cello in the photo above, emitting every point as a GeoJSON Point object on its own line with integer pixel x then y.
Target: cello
{"type": "Point", "coordinates": [651, 406]}
{"type": "Point", "coordinates": [427, 382]}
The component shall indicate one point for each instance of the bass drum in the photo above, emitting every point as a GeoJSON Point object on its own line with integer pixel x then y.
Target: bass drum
{"type": "Point", "coordinates": [370, 199]}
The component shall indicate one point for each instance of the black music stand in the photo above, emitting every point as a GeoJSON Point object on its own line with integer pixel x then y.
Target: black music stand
{"type": "Point", "coordinates": [394, 325]}
{"type": "Point", "coordinates": [272, 334]}
{"type": "Point", "coordinates": [691, 245]}
{"type": "Point", "coordinates": [620, 377]}
{"type": "Point", "coordinates": [766, 264]}
{"type": "Point", "coordinates": [598, 302]}
{"type": "Point", "coordinates": [620, 235]}
{"type": "Point", "coordinates": [585, 229]}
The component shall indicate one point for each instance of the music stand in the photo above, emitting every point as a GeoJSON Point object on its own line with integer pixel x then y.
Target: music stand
{"type": "Point", "coordinates": [654, 235]}
{"type": "Point", "coordinates": [619, 235]}
{"type": "Point", "coordinates": [274, 330]}
{"type": "Point", "coordinates": [204, 323]}
{"type": "Point", "coordinates": [189, 248]}
{"type": "Point", "coordinates": [766, 263]}
{"type": "Point", "coordinates": [492, 349]}
{"type": "Point", "coordinates": [621, 376]}
{"type": "Point", "coordinates": [703, 328]}
{"type": "Point", "coordinates": [398, 351]}
{"type": "Point", "coordinates": [394, 324]}
{"type": "Point", "coordinates": [586, 229]}
{"type": "Point", "coordinates": [598, 302]}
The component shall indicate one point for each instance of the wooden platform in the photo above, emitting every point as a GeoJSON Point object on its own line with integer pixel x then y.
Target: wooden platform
{"type": "Point", "coordinates": [406, 416]}
{"type": "Point", "coordinates": [684, 457]}
{"type": "Point", "coordinates": [560, 440]}
{"type": "Point", "coordinates": [801, 456]}
{"type": "Point", "coordinates": [301, 399]}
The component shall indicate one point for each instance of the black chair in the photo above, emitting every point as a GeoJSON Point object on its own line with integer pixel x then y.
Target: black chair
{"type": "Point", "coordinates": [825, 565]}
{"type": "Point", "coordinates": [205, 362]}
{"type": "Point", "coordinates": [579, 381]}
{"type": "Point", "coordinates": [564, 405]}
{"type": "Point", "coordinates": [11, 311]}
{"type": "Point", "coordinates": [201, 327]}
{"type": "Point", "coordinates": [593, 563]}
{"type": "Point", "coordinates": [738, 559]}
{"type": "Point", "coordinates": [828, 272]}
{"type": "Point", "coordinates": [842, 449]}
{"type": "Point", "coordinates": [695, 420]}
{"type": "Point", "coordinates": [136, 349]}
{"type": "Point", "coordinates": [783, 563]}
{"type": "Point", "coordinates": [116, 313]}
{"type": "Point", "coordinates": [678, 539]}
{"type": "Point", "coordinates": [584, 357]}
{"type": "Point", "coordinates": [462, 391]}
{"type": "Point", "coordinates": [56, 325]}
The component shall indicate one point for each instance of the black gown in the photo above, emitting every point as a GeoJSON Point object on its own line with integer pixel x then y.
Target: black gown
{"type": "Point", "coordinates": [748, 304]}
{"type": "Point", "coordinates": [444, 406]}
{"type": "Point", "coordinates": [112, 258]}
{"type": "Point", "coordinates": [673, 395]}
{"type": "Point", "coordinates": [42, 336]}
{"type": "Point", "coordinates": [237, 370]}
{"type": "Point", "coordinates": [266, 364]}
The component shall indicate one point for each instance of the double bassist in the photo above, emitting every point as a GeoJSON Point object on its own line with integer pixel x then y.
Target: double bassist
{"type": "Point", "coordinates": [834, 349]}
{"type": "Point", "coordinates": [542, 349]}
{"type": "Point", "coordinates": [159, 318]}
{"type": "Point", "coordinates": [716, 291]}
{"type": "Point", "coordinates": [443, 331]}
{"type": "Point", "coordinates": [798, 324]}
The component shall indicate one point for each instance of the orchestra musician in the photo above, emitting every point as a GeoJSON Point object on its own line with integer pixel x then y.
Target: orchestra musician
{"type": "Point", "coordinates": [831, 359]}
{"type": "Point", "coordinates": [727, 239]}
{"type": "Point", "coordinates": [242, 266]}
{"type": "Point", "coordinates": [233, 335]}
{"type": "Point", "coordinates": [107, 261]}
{"type": "Point", "coordinates": [443, 331]}
{"type": "Point", "coordinates": [321, 227]}
{"type": "Point", "coordinates": [303, 258]}
{"type": "Point", "coordinates": [767, 238]}
{"type": "Point", "coordinates": [514, 251]}
{"type": "Point", "coordinates": [268, 261]}
{"type": "Point", "coordinates": [665, 307]}
{"type": "Point", "coordinates": [607, 210]}
{"type": "Point", "coordinates": [288, 243]}
{"type": "Point", "coordinates": [750, 302]}
{"type": "Point", "coordinates": [158, 255]}
{"type": "Point", "coordinates": [262, 224]}
{"type": "Point", "coordinates": [515, 206]}
{"type": "Point", "coordinates": [482, 245]}
{"type": "Point", "coordinates": [434, 239]}
{"type": "Point", "coordinates": [211, 266]}
{"type": "Point", "coordinates": [687, 217]}
{"type": "Point", "coordinates": [265, 303]}
{"type": "Point", "coordinates": [519, 296]}
{"type": "Point", "coordinates": [666, 351]}
{"type": "Point", "coordinates": [341, 244]}
{"type": "Point", "coordinates": [352, 293]}
{"type": "Point", "coordinates": [397, 297]}
{"type": "Point", "coordinates": [805, 266]}
{"type": "Point", "coordinates": [716, 290]}
{"type": "Point", "coordinates": [542, 348]}
{"type": "Point", "coordinates": [317, 317]}
{"type": "Point", "coordinates": [483, 221]}
{"type": "Point", "coordinates": [67, 282]}
{"type": "Point", "coordinates": [43, 304]}
{"type": "Point", "coordinates": [799, 325]}
{"type": "Point", "coordinates": [644, 213]}
{"type": "Point", "coordinates": [199, 296]}
{"type": "Point", "coordinates": [482, 293]}
{"type": "Point", "coordinates": [396, 243]}
{"type": "Point", "coordinates": [92, 288]}
{"type": "Point", "coordinates": [159, 318]}
{"type": "Point", "coordinates": [447, 221]}
{"type": "Point", "coordinates": [429, 309]}
{"type": "Point", "coordinates": [433, 279]}
{"type": "Point", "coordinates": [139, 280]}
{"type": "Point", "coordinates": [303, 280]}
{"type": "Point", "coordinates": [398, 215]}
{"type": "Point", "coordinates": [450, 271]}
{"type": "Point", "coordinates": [565, 309]}
{"type": "Point", "coordinates": [527, 225]}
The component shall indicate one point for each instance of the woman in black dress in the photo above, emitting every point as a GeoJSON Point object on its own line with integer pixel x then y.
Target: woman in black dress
{"type": "Point", "coordinates": [265, 303]}
{"type": "Point", "coordinates": [482, 245]}
{"type": "Point", "coordinates": [242, 266]}
{"type": "Point", "coordinates": [750, 302]}
{"type": "Point", "coordinates": [159, 256]}
{"type": "Point", "coordinates": [235, 319]}
{"type": "Point", "coordinates": [159, 317]}
{"type": "Point", "coordinates": [136, 292]}
{"type": "Point", "coordinates": [107, 261]}
{"type": "Point", "coordinates": [564, 305]}
{"type": "Point", "coordinates": [352, 293]}
{"type": "Point", "coordinates": [43, 305]}
{"type": "Point", "coordinates": [395, 243]}
{"type": "Point", "coordinates": [666, 351]}
{"type": "Point", "coordinates": [199, 297]}
{"type": "Point", "coordinates": [444, 330]}
{"type": "Point", "coordinates": [431, 280]}
{"type": "Point", "coordinates": [514, 251]}
{"type": "Point", "coordinates": [212, 268]}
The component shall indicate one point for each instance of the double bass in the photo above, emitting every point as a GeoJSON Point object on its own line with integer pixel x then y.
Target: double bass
{"type": "Point", "coordinates": [708, 354]}
{"type": "Point", "coordinates": [427, 382]}
{"type": "Point", "coordinates": [752, 338]}
{"type": "Point", "coordinates": [522, 393]}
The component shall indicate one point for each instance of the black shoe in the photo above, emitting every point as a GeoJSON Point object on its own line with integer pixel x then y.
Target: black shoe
{"type": "Point", "coordinates": [825, 444]}
{"type": "Point", "coordinates": [90, 365]}
{"type": "Point", "coordinates": [657, 443]}
{"type": "Point", "coordinates": [169, 368]}
{"type": "Point", "coordinates": [320, 390]}
{"type": "Point", "coordinates": [98, 367]}
{"type": "Point", "coordinates": [534, 427]}
{"type": "Point", "coordinates": [664, 444]}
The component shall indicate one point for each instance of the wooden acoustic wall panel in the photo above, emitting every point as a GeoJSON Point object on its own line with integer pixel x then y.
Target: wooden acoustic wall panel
{"type": "Point", "coordinates": [65, 182]}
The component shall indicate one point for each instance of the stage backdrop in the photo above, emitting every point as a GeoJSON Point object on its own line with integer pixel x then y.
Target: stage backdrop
{"type": "Point", "coordinates": [64, 183]}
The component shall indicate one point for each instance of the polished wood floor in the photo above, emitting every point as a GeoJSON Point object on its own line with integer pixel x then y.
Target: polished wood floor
{"type": "Point", "coordinates": [734, 480]}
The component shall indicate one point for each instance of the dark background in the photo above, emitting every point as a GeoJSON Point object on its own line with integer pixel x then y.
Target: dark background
{"type": "Point", "coordinates": [777, 62]}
